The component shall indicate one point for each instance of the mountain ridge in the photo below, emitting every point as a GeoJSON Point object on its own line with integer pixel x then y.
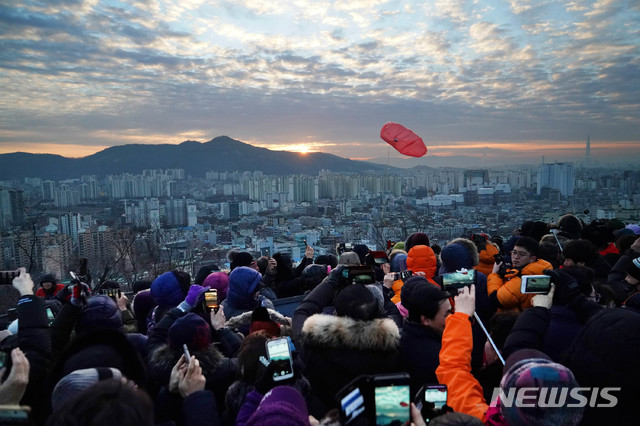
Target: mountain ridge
{"type": "Point", "coordinates": [222, 153]}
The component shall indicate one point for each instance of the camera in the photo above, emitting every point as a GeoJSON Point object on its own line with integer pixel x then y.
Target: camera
{"type": "Point", "coordinates": [506, 264]}
{"type": "Point", "coordinates": [357, 275]}
{"type": "Point", "coordinates": [344, 247]}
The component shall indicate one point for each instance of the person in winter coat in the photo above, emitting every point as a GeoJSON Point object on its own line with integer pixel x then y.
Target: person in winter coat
{"type": "Point", "coordinates": [336, 349]}
{"type": "Point", "coordinates": [421, 260]}
{"type": "Point", "coordinates": [49, 287]}
{"type": "Point", "coordinates": [524, 368]}
{"type": "Point", "coordinates": [420, 341]}
{"type": "Point", "coordinates": [243, 294]}
{"type": "Point", "coordinates": [504, 289]}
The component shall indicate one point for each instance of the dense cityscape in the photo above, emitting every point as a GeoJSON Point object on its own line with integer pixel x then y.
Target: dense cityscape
{"type": "Point", "coordinates": [136, 226]}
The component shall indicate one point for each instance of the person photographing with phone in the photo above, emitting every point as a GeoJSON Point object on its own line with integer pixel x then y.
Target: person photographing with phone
{"type": "Point", "coordinates": [504, 284]}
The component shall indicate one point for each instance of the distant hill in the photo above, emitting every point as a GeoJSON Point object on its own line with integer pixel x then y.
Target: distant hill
{"type": "Point", "coordinates": [220, 154]}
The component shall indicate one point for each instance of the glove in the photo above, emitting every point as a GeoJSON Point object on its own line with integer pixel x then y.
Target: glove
{"type": "Point", "coordinates": [194, 296]}
{"type": "Point", "coordinates": [79, 293]}
{"type": "Point", "coordinates": [567, 287]}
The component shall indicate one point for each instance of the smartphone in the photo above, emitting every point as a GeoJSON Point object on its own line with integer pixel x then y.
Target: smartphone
{"type": "Point", "coordinates": [211, 300]}
{"type": "Point", "coordinates": [111, 292]}
{"type": "Point", "coordinates": [430, 400]}
{"type": "Point", "coordinates": [279, 354]}
{"type": "Point", "coordinates": [50, 316]}
{"type": "Point", "coordinates": [351, 400]}
{"type": "Point", "coordinates": [392, 399]}
{"type": "Point", "coordinates": [187, 354]}
{"type": "Point", "coordinates": [3, 359]}
{"type": "Point", "coordinates": [14, 415]}
{"type": "Point", "coordinates": [402, 275]}
{"type": "Point", "coordinates": [459, 279]}
{"type": "Point", "coordinates": [358, 275]}
{"type": "Point", "coordinates": [6, 277]}
{"type": "Point", "coordinates": [539, 284]}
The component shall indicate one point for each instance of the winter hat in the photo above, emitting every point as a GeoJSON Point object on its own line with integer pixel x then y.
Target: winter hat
{"type": "Point", "coordinates": [634, 228]}
{"type": "Point", "coordinates": [100, 312]}
{"type": "Point", "coordinates": [362, 250]}
{"type": "Point", "coordinates": [281, 406]}
{"type": "Point", "coordinates": [243, 282]}
{"type": "Point", "coordinates": [168, 290]}
{"type": "Point", "coordinates": [398, 260]}
{"type": "Point", "coordinates": [634, 268]}
{"type": "Point", "coordinates": [357, 302]}
{"type": "Point", "coordinates": [191, 330]}
{"type": "Point", "coordinates": [77, 381]}
{"type": "Point", "coordinates": [314, 274]}
{"type": "Point", "coordinates": [531, 371]}
{"type": "Point", "coordinates": [420, 297]}
{"type": "Point", "coordinates": [399, 245]}
{"type": "Point", "coordinates": [48, 278]}
{"type": "Point", "coordinates": [570, 225]}
{"type": "Point", "coordinates": [260, 320]}
{"type": "Point", "coordinates": [349, 258]}
{"type": "Point", "coordinates": [239, 258]}
{"type": "Point", "coordinates": [204, 272]}
{"type": "Point", "coordinates": [218, 281]}
{"type": "Point", "coordinates": [327, 259]}
{"type": "Point", "coordinates": [143, 303]}
{"type": "Point", "coordinates": [416, 239]}
{"type": "Point", "coordinates": [457, 255]}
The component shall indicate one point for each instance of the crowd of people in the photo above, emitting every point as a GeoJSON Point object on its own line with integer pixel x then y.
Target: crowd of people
{"type": "Point", "coordinates": [167, 354]}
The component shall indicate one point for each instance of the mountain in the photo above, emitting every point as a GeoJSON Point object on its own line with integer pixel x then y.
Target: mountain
{"type": "Point", "coordinates": [220, 154]}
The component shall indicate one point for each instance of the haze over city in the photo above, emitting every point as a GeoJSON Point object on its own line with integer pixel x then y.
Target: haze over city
{"type": "Point", "coordinates": [493, 81]}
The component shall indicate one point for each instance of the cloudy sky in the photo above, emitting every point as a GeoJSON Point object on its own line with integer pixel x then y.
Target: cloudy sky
{"type": "Point", "coordinates": [500, 80]}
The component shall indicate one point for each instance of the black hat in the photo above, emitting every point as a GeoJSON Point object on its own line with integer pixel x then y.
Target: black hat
{"type": "Point", "coordinates": [420, 297]}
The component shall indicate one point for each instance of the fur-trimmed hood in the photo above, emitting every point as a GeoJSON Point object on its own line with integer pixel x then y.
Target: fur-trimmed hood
{"type": "Point", "coordinates": [162, 360]}
{"type": "Point", "coordinates": [333, 332]}
{"type": "Point", "coordinates": [243, 321]}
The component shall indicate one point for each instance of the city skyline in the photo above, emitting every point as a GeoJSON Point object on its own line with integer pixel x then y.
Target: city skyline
{"type": "Point", "coordinates": [490, 82]}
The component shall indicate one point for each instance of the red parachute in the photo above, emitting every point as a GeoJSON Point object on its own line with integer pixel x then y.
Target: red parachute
{"type": "Point", "coordinates": [403, 140]}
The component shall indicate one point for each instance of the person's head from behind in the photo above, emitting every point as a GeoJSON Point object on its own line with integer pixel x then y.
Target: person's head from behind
{"type": "Point", "coordinates": [356, 301]}
{"type": "Point", "coordinates": [107, 403]}
{"type": "Point", "coordinates": [251, 349]}
{"type": "Point", "coordinates": [633, 273]}
{"type": "Point", "coordinates": [524, 252]}
{"type": "Point", "coordinates": [531, 372]}
{"type": "Point", "coordinates": [579, 252]}
{"type": "Point", "coordinates": [426, 303]}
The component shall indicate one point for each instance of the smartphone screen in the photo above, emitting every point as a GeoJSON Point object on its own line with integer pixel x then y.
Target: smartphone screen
{"type": "Point", "coordinates": [211, 299]}
{"type": "Point", "coordinates": [280, 355]}
{"type": "Point", "coordinates": [437, 395]}
{"type": "Point", "coordinates": [540, 284]}
{"type": "Point", "coordinates": [459, 279]}
{"type": "Point", "coordinates": [392, 404]}
{"type": "Point", "coordinates": [50, 316]}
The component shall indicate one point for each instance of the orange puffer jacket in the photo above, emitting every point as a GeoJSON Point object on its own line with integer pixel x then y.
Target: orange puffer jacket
{"type": "Point", "coordinates": [487, 258]}
{"type": "Point", "coordinates": [419, 259]}
{"type": "Point", "coordinates": [509, 294]}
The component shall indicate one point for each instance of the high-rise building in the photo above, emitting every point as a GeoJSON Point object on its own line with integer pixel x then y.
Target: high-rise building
{"type": "Point", "coordinates": [11, 207]}
{"type": "Point", "coordinates": [557, 176]}
{"type": "Point", "coordinates": [70, 225]}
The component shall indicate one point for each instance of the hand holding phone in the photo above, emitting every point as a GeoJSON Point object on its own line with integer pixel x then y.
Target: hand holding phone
{"type": "Point", "coordinates": [279, 353]}
{"type": "Point", "coordinates": [187, 354]}
{"type": "Point", "coordinates": [537, 284]}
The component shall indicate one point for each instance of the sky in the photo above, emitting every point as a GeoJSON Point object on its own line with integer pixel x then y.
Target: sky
{"type": "Point", "coordinates": [487, 80]}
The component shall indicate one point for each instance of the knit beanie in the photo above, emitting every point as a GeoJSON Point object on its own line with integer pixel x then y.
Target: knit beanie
{"type": "Point", "coordinates": [48, 278]}
{"type": "Point", "coordinates": [327, 259]}
{"type": "Point", "coordinates": [399, 245]}
{"type": "Point", "coordinates": [281, 406]}
{"type": "Point", "coordinates": [100, 312]}
{"type": "Point", "coordinates": [191, 330]}
{"type": "Point", "coordinates": [349, 258]}
{"type": "Point", "coordinates": [416, 239]}
{"type": "Point", "coordinates": [398, 260]}
{"type": "Point", "coordinates": [77, 381]}
{"type": "Point", "coordinates": [218, 281]}
{"type": "Point", "coordinates": [455, 257]}
{"type": "Point", "coordinates": [542, 374]}
{"type": "Point", "coordinates": [634, 268]}
{"type": "Point", "coordinates": [167, 290]}
{"type": "Point", "coordinates": [204, 272]}
{"type": "Point", "coordinates": [143, 303]}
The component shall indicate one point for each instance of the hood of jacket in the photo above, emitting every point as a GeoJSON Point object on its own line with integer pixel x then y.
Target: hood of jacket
{"type": "Point", "coordinates": [243, 282]}
{"type": "Point", "coordinates": [459, 253]}
{"type": "Point", "coordinates": [333, 332]}
{"type": "Point", "coordinates": [422, 259]}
